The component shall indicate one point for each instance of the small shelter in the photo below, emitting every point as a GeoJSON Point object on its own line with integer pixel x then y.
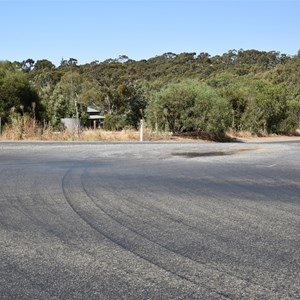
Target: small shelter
{"type": "Point", "coordinates": [95, 118]}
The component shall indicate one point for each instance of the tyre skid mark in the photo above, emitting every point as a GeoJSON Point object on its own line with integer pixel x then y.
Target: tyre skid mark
{"type": "Point", "coordinates": [185, 261]}
{"type": "Point", "coordinates": [247, 282]}
{"type": "Point", "coordinates": [166, 215]}
{"type": "Point", "coordinates": [155, 211]}
{"type": "Point", "coordinates": [163, 214]}
{"type": "Point", "coordinates": [128, 247]}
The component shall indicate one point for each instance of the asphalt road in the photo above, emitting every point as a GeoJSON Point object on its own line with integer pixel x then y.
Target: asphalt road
{"type": "Point", "coordinates": [149, 221]}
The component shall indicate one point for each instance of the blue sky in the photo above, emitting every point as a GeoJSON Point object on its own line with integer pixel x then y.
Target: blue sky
{"type": "Point", "coordinates": [98, 30]}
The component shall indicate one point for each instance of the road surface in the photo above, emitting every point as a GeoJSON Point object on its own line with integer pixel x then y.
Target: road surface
{"type": "Point", "coordinates": [149, 220]}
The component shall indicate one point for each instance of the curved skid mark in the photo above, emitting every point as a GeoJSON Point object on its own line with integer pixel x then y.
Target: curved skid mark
{"type": "Point", "coordinates": [145, 237]}
{"type": "Point", "coordinates": [167, 216]}
{"type": "Point", "coordinates": [115, 241]}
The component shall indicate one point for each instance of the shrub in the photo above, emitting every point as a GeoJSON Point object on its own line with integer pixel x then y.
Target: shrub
{"type": "Point", "coordinates": [189, 106]}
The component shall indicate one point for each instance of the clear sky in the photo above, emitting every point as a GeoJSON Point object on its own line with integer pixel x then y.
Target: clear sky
{"type": "Point", "coordinates": [98, 30]}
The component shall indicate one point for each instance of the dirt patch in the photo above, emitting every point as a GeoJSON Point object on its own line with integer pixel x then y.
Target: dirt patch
{"type": "Point", "coordinates": [211, 153]}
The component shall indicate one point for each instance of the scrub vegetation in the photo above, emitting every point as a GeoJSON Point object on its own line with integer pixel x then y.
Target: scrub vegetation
{"type": "Point", "coordinates": [250, 91]}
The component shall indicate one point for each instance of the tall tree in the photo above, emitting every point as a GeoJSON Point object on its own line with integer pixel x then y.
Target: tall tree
{"type": "Point", "coordinates": [16, 93]}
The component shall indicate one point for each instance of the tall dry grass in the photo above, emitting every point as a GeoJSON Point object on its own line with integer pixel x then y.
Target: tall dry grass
{"type": "Point", "coordinates": [25, 128]}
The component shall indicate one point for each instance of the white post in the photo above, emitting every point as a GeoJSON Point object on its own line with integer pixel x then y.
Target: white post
{"type": "Point", "coordinates": [141, 130]}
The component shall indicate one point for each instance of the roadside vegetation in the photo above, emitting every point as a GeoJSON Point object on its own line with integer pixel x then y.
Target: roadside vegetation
{"type": "Point", "coordinates": [188, 94]}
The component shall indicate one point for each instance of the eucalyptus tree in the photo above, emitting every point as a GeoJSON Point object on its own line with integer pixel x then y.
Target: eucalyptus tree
{"type": "Point", "coordinates": [16, 93]}
{"type": "Point", "coordinates": [257, 105]}
{"type": "Point", "coordinates": [189, 106]}
{"type": "Point", "coordinates": [63, 102]}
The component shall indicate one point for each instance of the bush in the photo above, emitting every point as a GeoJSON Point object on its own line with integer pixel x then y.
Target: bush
{"type": "Point", "coordinates": [189, 106]}
{"type": "Point", "coordinates": [114, 122]}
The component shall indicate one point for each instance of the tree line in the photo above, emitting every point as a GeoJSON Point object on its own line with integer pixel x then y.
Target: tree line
{"type": "Point", "coordinates": [244, 90]}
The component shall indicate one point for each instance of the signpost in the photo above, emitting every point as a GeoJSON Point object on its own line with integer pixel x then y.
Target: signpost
{"type": "Point", "coordinates": [141, 130]}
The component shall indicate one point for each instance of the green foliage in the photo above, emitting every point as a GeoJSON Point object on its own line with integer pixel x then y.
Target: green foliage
{"type": "Point", "coordinates": [211, 112]}
{"type": "Point", "coordinates": [127, 105]}
{"type": "Point", "coordinates": [136, 104]}
{"type": "Point", "coordinates": [189, 106]}
{"type": "Point", "coordinates": [258, 106]}
{"type": "Point", "coordinates": [16, 93]}
{"type": "Point", "coordinates": [249, 90]}
{"type": "Point", "coordinates": [114, 122]}
{"type": "Point", "coordinates": [267, 109]}
{"type": "Point", "coordinates": [292, 121]}
{"type": "Point", "coordinates": [43, 64]}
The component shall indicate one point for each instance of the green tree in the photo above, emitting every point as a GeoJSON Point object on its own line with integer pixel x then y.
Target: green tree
{"type": "Point", "coordinates": [65, 99]}
{"type": "Point", "coordinates": [189, 106]}
{"type": "Point", "coordinates": [16, 93]}
{"type": "Point", "coordinates": [27, 65]}
{"type": "Point", "coordinates": [257, 105]}
{"type": "Point", "coordinates": [292, 121]}
{"type": "Point", "coordinates": [266, 109]}
{"type": "Point", "coordinates": [43, 64]}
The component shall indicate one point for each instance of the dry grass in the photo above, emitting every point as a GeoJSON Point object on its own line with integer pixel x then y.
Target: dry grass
{"type": "Point", "coordinates": [240, 134]}
{"type": "Point", "coordinates": [32, 132]}
{"type": "Point", "coordinates": [25, 128]}
{"type": "Point", "coordinates": [124, 135]}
